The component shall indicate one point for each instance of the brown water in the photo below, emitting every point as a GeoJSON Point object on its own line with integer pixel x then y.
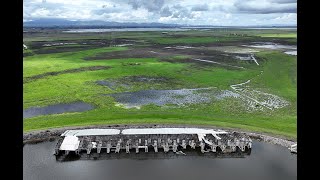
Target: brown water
{"type": "Point", "coordinates": [266, 162]}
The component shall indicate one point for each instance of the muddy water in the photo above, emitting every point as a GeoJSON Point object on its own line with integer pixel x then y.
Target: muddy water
{"type": "Point", "coordinates": [265, 162]}
{"type": "Point", "coordinates": [56, 109]}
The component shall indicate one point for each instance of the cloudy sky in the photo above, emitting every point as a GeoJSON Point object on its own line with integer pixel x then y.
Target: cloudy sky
{"type": "Point", "coordinates": [193, 12]}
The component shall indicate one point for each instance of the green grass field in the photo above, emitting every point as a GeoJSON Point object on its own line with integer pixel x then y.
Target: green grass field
{"type": "Point", "coordinates": [278, 78]}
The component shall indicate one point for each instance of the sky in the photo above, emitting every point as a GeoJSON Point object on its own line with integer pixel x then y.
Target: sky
{"type": "Point", "coordinates": [188, 12]}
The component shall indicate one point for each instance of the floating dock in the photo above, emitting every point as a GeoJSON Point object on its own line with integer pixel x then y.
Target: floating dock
{"type": "Point", "coordinates": [153, 140]}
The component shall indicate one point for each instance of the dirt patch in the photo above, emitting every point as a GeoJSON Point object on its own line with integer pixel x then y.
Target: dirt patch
{"type": "Point", "coordinates": [44, 75]}
{"type": "Point", "coordinates": [59, 46]}
{"type": "Point", "coordinates": [50, 50]}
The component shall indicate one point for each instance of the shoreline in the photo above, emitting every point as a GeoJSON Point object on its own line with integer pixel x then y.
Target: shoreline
{"type": "Point", "coordinates": [52, 134]}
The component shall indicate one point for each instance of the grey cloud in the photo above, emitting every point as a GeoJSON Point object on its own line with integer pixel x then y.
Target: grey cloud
{"type": "Point", "coordinates": [283, 1]}
{"type": "Point", "coordinates": [106, 10]}
{"type": "Point", "coordinates": [253, 7]}
{"type": "Point", "coordinates": [150, 5]}
{"type": "Point", "coordinates": [176, 11]}
{"type": "Point", "coordinates": [201, 7]}
{"type": "Point", "coordinates": [165, 12]}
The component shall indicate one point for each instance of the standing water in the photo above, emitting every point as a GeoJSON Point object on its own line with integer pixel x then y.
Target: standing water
{"type": "Point", "coordinates": [265, 162]}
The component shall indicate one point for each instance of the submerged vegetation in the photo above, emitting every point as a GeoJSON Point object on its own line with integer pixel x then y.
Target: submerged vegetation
{"type": "Point", "coordinates": [139, 61]}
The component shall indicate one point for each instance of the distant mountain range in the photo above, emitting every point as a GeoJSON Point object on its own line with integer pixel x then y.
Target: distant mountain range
{"type": "Point", "coordinates": [62, 23]}
{"type": "Point", "coordinates": [68, 23]}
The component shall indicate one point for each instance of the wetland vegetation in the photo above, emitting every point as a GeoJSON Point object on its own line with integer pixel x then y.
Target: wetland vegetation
{"type": "Point", "coordinates": [186, 77]}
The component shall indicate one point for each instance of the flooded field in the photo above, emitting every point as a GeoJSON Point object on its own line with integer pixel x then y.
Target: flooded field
{"type": "Point", "coordinates": [124, 30]}
{"type": "Point", "coordinates": [265, 162]}
{"type": "Point", "coordinates": [56, 109]}
{"type": "Point", "coordinates": [133, 74]}
{"type": "Point", "coordinates": [162, 97]}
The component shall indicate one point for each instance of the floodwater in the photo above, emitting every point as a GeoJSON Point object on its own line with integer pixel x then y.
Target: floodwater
{"type": "Point", "coordinates": [265, 162]}
{"type": "Point", "coordinates": [294, 53]}
{"type": "Point", "coordinates": [56, 109]}
{"type": "Point", "coordinates": [162, 97]}
{"type": "Point", "coordinates": [270, 45]}
{"type": "Point", "coordinates": [123, 30]}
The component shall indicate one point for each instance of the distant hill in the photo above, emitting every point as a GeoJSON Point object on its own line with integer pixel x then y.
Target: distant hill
{"type": "Point", "coordinates": [68, 23]}
{"type": "Point", "coordinates": [63, 23]}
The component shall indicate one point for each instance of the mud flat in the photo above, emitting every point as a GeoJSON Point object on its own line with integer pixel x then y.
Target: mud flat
{"type": "Point", "coordinates": [56, 109]}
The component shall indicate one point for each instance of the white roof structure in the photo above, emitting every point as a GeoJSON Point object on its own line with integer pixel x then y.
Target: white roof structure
{"type": "Point", "coordinates": [171, 131]}
{"type": "Point", "coordinates": [91, 132]}
{"type": "Point", "coordinates": [200, 132]}
{"type": "Point", "coordinates": [70, 143]}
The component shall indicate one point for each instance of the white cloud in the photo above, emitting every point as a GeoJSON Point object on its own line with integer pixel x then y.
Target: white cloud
{"type": "Point", "coordinates": [206, 12]}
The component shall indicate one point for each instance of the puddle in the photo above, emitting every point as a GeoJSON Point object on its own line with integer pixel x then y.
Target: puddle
{"type": "Point", "coordinates": [294, 53]}
{"type": "Point", "coordinates": [234, 49]}
{"type": "Point", "coordinates": [244, 58]}
{"type": "Point", "coordinates": [109, 84]}
{"type": "Point", "coordinates": [270, 45]}
{"type": "Point", "coordinates": [56, 109]}
{"type": "Point", "coordinates": [162, 97]}
{"type": "Point", "coordinates": [247, 57]}
{"type": "Point", "coordinates": [123, 45]}
{"type": "Point", "coordinates": [58, 44]}
{"type": "Point", "coordinates": [178, 47]}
